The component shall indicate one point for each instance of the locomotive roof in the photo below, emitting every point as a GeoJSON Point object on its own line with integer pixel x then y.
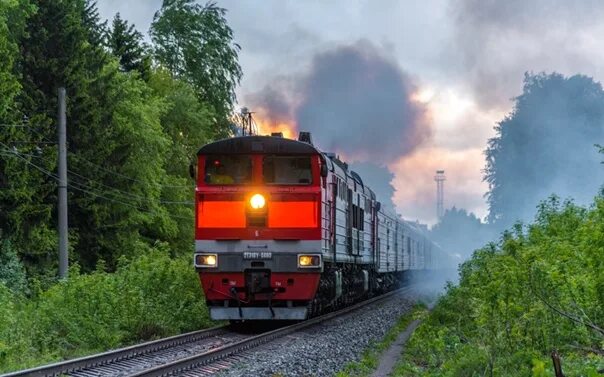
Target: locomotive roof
{"type": "Point", "coordinates": [258, 144]}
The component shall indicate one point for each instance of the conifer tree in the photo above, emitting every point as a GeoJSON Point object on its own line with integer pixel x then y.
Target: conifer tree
{"type": "Point", "coordinates": [126, 43]}
{"type": "Point", "coordinates": [115, 144]}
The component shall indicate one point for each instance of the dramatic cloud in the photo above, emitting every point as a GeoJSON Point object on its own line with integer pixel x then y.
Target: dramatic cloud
{"type": "Point", "coordinates": [495, 42]}
{"type": "Point", "coordinates": [355, 101]}
{"type": "Point", "coordinates": [467, 59]}
{"type": "Point", "coordinates": [359, 102]}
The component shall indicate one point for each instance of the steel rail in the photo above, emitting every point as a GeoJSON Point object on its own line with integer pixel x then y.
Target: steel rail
{"type": "Point", "coordinates": [232, 349]}
{"type": "Point", "coordinates": [106, 358]}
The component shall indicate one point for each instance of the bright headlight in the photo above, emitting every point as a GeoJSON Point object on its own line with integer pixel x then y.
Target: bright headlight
{"type": "Point", "coordinates": [309, 260]}
{"type": "Point", "coordinates": [257, 201]}
{"type": "Point", "coordinates": [206, 260]}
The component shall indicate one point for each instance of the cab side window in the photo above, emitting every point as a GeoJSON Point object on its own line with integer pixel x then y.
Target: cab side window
{"type": "Point", "coordinates": [228, 170]}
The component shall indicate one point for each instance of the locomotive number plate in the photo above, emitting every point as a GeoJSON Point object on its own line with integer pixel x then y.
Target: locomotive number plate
{"type": "Point", "coordinates": [257, 255]}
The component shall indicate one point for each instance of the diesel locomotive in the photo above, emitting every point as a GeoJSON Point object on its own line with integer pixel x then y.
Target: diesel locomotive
{"type": "Point", "coordinates": [284, 231]}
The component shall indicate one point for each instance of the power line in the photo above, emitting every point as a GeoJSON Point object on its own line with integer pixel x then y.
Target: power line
{"type": "Point", "coordinates": [92, 183]}
{"type": "Point", "coordinates": [82, 159]}
{"type": "Point", "coordinates": [90, 163]}
{"type": "Point", "coordinates": [126, 194]}
{"type": "Point", "coordinates": [55, 177]}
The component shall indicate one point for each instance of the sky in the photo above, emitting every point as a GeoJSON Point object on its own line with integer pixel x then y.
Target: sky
{"type": "Point", "coordinates": [450, 69]}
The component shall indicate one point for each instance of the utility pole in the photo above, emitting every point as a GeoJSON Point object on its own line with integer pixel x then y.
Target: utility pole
{"type": "Point", "coordinates": [62, 133]}
{"type": "Point", "coordinates": [247, 124]}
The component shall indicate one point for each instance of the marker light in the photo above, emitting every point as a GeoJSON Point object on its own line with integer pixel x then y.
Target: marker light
{"type": "Point", "coordinates": [206, 260]}
{"type": "Point", "coordinates": [309, 260]}
{"type": "Point", "coordinates": [257, 201]}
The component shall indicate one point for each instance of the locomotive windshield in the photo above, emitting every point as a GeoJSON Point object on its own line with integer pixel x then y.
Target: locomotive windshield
{"type": "Point", "coordinates": [287, 170]}
{"type": "Point", "coordinates": [228, 170]}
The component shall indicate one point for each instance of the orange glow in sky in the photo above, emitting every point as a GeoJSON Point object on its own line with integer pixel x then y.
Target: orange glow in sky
{"type": "Point", "coordinates": [268, 124]}
{"type": "Point", "coordinates": [460, 131]}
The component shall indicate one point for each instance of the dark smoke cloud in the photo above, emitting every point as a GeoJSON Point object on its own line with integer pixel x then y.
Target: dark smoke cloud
{"type": "Point", "coordinates": [356, 101]}
{"type": "Point", "coordinates": [272, 103]}
{"type": "Point", "coordinates": [495, 42]}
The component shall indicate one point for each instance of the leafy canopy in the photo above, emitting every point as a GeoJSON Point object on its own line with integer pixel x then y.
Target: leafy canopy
{"type": "Point", "coordinates": [545, 146]}
{"type": "Point", "coordinates": [195, 43]}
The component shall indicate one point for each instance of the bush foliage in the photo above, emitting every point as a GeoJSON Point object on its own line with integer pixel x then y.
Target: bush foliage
{"type": "Point", "coordinates": [148, 297]}
{"type": "Point", "coordinates": [540, 289]}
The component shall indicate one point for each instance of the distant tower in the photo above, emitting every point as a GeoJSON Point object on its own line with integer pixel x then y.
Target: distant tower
{"type": "Point", "coordinates": [440, 193]}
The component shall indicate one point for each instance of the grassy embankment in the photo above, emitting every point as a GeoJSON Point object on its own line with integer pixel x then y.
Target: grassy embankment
{"type": "Point", "coordinates": [149, 297]}
{"type": "Point", "coordinates": [541, 288]}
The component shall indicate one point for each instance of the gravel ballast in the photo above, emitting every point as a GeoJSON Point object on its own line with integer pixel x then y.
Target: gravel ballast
{"type": "Point", "coordinates": [324, 349]}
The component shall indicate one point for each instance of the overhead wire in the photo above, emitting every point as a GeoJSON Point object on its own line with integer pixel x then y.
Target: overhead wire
{"type": "Point", "coordinates": [82, 159]}
{"type": "Point", "coordinates": [90, 163]}
{"type": "Point", "coordinates": [92, 183]}
{"type": "Point", "coordinates": [74, 187]}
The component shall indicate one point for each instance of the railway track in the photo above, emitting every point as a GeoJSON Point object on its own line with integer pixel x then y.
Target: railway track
{"type": "Point", "coordinates": [198, 353]}
{"type": "Point", "coordinates": [131, 360]}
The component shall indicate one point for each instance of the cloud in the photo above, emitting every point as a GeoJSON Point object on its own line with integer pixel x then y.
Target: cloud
{"type": "Point", "coordinates": [495, 42]}
{"type": "Point", "coordinates": [415, 195]}
{"type": "Point", "coordinates": [354, 100]}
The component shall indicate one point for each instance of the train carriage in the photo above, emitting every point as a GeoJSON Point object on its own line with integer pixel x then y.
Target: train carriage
{"type": "Point", "coordinates": [284, 231]}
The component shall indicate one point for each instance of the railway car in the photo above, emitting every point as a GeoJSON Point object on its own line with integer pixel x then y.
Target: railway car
{"type": "Point", "coordinates": [285, 231]}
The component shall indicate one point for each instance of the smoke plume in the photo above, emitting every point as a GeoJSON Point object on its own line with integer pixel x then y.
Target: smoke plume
{"type": "Point", "coordinates": [356, 102]}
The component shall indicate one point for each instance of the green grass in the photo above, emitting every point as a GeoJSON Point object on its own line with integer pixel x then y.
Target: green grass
{"type": "Point", "coordinates": [370, 358]}
{"type": "Point", "coordinates": [150, 297]}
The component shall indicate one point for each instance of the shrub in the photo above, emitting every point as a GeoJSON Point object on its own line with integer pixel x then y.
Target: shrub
{"type": "Point", "coordinates": [12, 272]}
{"type": "Point", "coordinates": [148, 297]}
{"type": "Point", "coordinates": [541, 288]}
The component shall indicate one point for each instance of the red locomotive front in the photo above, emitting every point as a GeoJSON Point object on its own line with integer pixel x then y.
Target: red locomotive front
{"type": "Point", "coordinates": [258, 227]}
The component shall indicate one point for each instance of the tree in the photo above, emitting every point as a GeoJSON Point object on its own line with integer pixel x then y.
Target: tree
{"type": "Point", "coordinates": [188, 124]}
{"type": "Point", "coordinates": [461, 232]}
{"type": "Point", "coordinates": [546, 146]}
{"type": "Point", "coordinates": [12, 273]}
{"type": "Point", "coordinates": [12, 15]}
{"type": "Point", "coordinates": [116, 146]}
{"type": "Point", "coordinates": [126, 43]}
{"type": "Point", "coordinates": [195, 44]}
{"type": "Point", "coordinates": [91, 20]}
{"type": "Point", "coordinates": [56, 50]}
{"type": "Point", "coordinates": [130, 136]}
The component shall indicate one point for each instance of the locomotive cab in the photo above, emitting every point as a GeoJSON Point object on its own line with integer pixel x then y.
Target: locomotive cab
{"type": "Point", "coordinates": [258, 227]}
